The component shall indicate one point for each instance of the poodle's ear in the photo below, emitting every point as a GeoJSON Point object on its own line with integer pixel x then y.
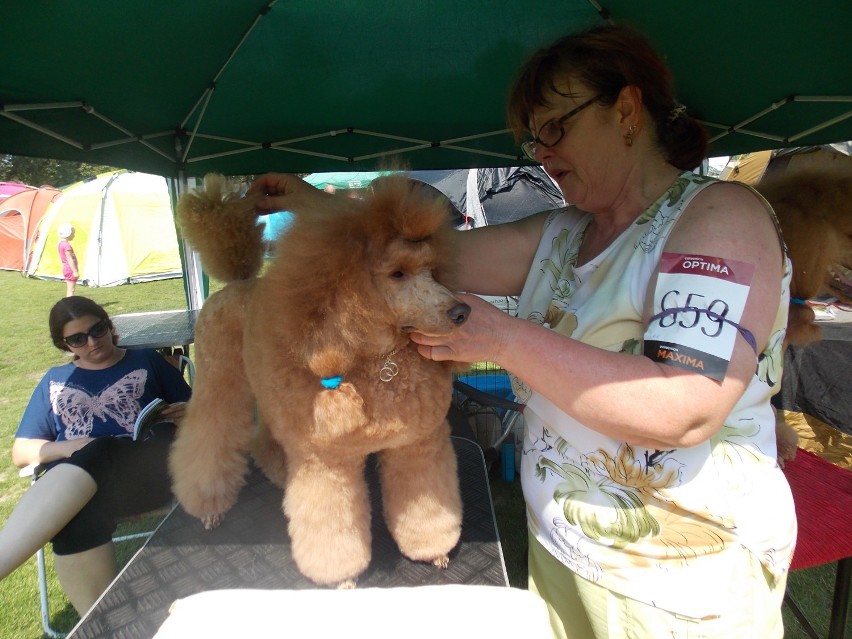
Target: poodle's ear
{"type": "Point", "coordinates": [328, 360]}
{"type": "Point", "coordinates": [807, 204]}
{"type": "Point", "coordinates": [336, 319]}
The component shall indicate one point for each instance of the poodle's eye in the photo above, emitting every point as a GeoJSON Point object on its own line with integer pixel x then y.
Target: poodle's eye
{"type": "Point", "coordinates": [398, 275]}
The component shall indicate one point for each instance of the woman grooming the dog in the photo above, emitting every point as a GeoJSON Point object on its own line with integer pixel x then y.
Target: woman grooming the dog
{"type": "Point", "coordinates": [647, 346]}
{"type": "Point", "coordinates": [76, 425]}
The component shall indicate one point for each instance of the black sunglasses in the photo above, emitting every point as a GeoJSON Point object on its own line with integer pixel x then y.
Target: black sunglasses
{"type": "Point", "coordinates": [80, 339]}
{"type": "Point", "coordinates": [552, 131]}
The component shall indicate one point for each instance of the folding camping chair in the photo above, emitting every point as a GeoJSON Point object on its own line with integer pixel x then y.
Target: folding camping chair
{"type": "Point", "coordinates": [32, 472]}
{"type": "Point", "coordinates": [484, 396]}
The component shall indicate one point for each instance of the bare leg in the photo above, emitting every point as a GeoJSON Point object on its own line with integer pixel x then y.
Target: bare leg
{"type": "Point", "coordinates": [85, 575]}
{"type": "Point", "coordinates": [70, 287]}
{"type": "Point", "coordinates": [43, 511]}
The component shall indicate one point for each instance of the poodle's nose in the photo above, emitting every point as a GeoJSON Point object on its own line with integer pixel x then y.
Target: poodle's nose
{"type": "Point", "coordinates": [458, 313]}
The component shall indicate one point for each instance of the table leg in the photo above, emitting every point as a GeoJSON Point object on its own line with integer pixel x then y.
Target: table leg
{"type": "Point", "coordinates": [840, 603]}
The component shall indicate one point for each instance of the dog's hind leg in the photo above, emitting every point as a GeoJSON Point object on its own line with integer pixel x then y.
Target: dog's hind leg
{"type": "Point", "coordinates": [269, 455]}
{"type": "Point", "coordinates": [328, 507]}
{"type": "Point", "coordinates": [422, 502]}
{"type": "Point", "coordinates": [208, 461]}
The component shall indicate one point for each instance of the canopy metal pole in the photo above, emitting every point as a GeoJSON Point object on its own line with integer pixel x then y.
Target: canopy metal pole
{"type": "Point", "coordinates": [193, 273]}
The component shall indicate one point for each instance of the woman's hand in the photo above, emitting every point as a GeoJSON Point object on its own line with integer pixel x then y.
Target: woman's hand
{"type": "Point", "coordinates": [175, 412]}
{"type": "Point", "coordinates": [283, 191]}
{"type": "Point", "coordinates": [482, 338]}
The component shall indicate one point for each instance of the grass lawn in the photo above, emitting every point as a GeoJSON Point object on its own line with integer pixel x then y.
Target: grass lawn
{"type": "Point", "coordinates": [26, 353]}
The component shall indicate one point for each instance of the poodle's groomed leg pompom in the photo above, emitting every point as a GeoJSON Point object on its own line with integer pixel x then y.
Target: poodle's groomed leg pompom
{"type": "Point", "coordinates": [421, 498]}
{"type": "Point", "coordinates": [328, 507]}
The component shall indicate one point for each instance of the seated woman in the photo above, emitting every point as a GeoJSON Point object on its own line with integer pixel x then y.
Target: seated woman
{"type": "Point", "coordinates": [77, 425]}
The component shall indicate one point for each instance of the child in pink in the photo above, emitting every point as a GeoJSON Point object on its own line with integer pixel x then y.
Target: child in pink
{"type": "Point", "coordinates": [70, 271]}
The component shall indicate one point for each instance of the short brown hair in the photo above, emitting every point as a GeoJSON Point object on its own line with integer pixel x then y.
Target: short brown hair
{"type": "Point", "coordinates": [607, 59]}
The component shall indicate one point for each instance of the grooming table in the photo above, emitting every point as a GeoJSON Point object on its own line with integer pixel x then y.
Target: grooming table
{"type": "Point", "coordinates": [251, 550]}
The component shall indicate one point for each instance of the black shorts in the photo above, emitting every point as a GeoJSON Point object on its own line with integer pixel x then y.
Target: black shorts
{"type": "Point", "coordinates": [132, 478]}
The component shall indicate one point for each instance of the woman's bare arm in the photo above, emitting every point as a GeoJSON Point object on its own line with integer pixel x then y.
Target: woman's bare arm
{"type": "Point", "coordinates": [632, 398]}
{"type": "Point", "coordinates": [495, 260]}
{"type": "Point", "coordinates": [41, 451]}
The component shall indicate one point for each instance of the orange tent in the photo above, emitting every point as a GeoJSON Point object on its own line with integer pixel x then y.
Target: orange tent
{"type": "Point", "coordinates": [20, 215]}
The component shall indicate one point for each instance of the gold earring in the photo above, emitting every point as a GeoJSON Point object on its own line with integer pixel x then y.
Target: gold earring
{"type": "Point", "coordinates": [628, 137]}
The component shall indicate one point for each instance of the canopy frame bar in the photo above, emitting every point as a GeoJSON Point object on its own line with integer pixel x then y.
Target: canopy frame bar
{"type": "Point", "coordinates": [10, 111]}
{"type": "Point", "coordinates": [208, 92]}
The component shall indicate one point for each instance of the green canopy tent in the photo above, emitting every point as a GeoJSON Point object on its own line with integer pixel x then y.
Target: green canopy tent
{"type": "Point", "coordinates": [242, 87]}
{"type": "Point", "coordinates": [180, 89]}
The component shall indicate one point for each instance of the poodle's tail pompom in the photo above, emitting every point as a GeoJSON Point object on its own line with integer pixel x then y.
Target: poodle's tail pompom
{"type": "Point", "coordinates": [223, 228]}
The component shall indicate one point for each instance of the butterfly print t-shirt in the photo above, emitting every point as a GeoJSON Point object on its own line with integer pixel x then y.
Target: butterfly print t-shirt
{"type": "Point", "coordinates": [71, 402]}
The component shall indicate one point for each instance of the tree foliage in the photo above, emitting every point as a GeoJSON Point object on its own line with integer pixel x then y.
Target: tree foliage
{"type": "Point", "coordinates": [61, 173]}
{"type": "Point", "coordinates": [44, 171]}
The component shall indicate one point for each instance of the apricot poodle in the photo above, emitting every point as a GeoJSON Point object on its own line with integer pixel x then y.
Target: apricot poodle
{"type": "Point", "coordinates": [319, 345]}
{"type": "Point", "coordinates": [814, 210]}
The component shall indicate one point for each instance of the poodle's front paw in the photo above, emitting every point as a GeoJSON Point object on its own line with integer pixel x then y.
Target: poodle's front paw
{"type": "Point", "coordinates": [212, 520]}
{"type": "Point", "coordinates": [441, 562]}
{"type": "Point", "coordinates": [348, 584]}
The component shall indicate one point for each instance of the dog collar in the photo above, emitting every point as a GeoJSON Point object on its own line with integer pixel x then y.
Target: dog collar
{"type": "Point", "coordinates": [387, 372]}
{"type": "Point", "coordinates": [389, 369]}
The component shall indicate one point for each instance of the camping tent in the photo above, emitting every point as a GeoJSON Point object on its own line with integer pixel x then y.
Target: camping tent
{"type": "Point", "coordinates": [495, 195]}
{"type": "Point", "coordinates": [751, 168]}
{"type": "Point", "coordinates": [748, 167]}
{"type": "Point", "coordinates": [479, 196]}
{"type": "Point", "coordinates": [346, 180]}
{"type": "Point", "coordinates": [124, 231]}
{"type": "Point", "coordinates": [8, 189]}
{"type": "Point", "coordinates": [20, 215]}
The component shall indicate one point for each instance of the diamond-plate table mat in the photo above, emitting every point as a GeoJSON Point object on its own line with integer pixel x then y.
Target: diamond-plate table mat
{"type": "Point", "coordinates": [251, 549]}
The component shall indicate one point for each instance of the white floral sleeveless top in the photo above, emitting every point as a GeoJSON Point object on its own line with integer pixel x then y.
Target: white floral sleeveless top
{"type": "Point", "coordinates": [649, 524]}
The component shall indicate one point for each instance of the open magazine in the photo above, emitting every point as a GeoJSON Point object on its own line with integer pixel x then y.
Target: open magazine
{"type": "Point", "coordinates": [148, 416]}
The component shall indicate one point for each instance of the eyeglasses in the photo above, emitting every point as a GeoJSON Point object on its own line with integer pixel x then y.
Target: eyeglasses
{"type": "Point", "coordinates": [552, 131]}
{"type": "Point", "coordinates": [81, 339]}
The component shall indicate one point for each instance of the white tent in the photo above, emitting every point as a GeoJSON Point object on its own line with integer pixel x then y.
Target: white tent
{"type": "Point", "coordinates": [124, 231]}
